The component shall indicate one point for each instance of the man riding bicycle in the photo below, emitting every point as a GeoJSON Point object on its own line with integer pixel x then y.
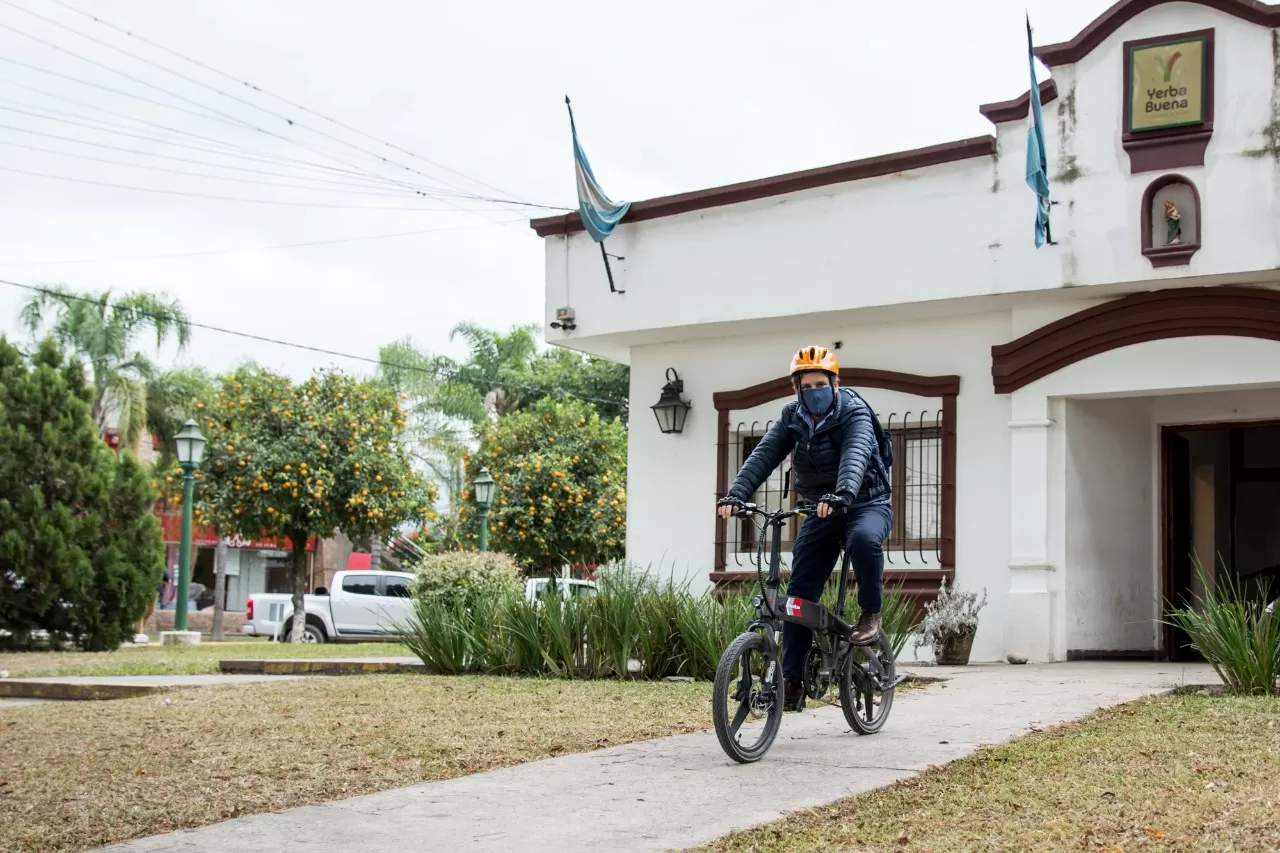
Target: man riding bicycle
{"type": "Point", "coordinates": [838, 465]}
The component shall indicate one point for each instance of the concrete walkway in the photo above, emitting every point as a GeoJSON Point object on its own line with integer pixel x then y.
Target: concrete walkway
{"type": "Point", "coordinates": [683, 791]}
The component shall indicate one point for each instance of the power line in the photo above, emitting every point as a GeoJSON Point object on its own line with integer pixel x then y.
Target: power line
{"type": "Point", "coordinates": [99, 124]}
{"type": "Point", "coordinates": [234, 119]}
{"type": "Point", "coordinates": [227, 197]}
{"type": "Point", "coordinates": [170, 93]}
{"type": "Point", "coordinates": [163, 157]}
{"type": "Point", "coordinates": [207, 253]}
{"type": "Point", "coordinates": [205, 175]}
{"type": "Point", "coordinates": [254, 155]}
{"type": "Point", "coordinates": [102, 303]}
{"type": "Point", "coordinates": [215, 89]}
{"type": "Point", "coordinates": [188, 78]}
{"type": "Point", "coordinates": [129, 135]}
{"type": "Point", "coordinates": [153, 102]}
{"type": "Point", "coordinates": [279, 98]}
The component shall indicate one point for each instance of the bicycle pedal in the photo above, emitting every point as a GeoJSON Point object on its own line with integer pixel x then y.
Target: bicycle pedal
{"type": "Point", "coordinates": [901, 679]}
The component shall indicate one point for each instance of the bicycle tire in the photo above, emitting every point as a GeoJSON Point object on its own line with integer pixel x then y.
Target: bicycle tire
{"type": "Point", "coordinates": [727, 712]}
{"type": "Point", "coordinates": [851, 696]}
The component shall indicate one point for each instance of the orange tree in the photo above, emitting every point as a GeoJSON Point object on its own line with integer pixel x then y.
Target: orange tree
{"type": "Point", "coordinates": [293, 461]}
{"type": "Point", "coordinates": [561, 473]}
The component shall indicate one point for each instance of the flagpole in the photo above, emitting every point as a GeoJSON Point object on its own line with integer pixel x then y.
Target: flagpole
{"type": "Point", "coordinates": [604, 255]}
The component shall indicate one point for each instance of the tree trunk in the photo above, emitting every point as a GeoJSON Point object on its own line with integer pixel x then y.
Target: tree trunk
{"type": "Point", "coordinates": [375, 553]}
{"type": "Point", "coordinates": [219, 587]}
{"type": "Point", "coordinates": [299, 540]}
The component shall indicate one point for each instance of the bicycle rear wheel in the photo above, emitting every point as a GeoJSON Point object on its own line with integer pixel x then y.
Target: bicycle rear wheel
{"type": "Point", "coordinates": [864, 698]}
{"type": "Point", "coordinates": [747, 710]}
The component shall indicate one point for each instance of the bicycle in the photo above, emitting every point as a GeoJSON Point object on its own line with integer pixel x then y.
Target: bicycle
{"type": "Point", "coordinates": [867, 674]}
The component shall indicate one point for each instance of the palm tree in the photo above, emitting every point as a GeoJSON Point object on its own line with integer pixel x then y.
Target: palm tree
{"type": "Point", "coordinates": [104, 331]}
{"type": "Point", "coordinates": [440, 414]}
{"type": "Point", "coordinates": [171, 397]}
{"type": "Point", "coordinates": [489, 381]}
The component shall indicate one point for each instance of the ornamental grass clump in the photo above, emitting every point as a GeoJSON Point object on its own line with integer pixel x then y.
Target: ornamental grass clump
{"type": "Point", "coordinates": [1236, 633]}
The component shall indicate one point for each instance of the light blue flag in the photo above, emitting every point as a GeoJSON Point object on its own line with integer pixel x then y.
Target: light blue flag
{"type": "Point", "coordinates": [600, 214]}
{"type": "Point", "coordinates": [1037, 162]}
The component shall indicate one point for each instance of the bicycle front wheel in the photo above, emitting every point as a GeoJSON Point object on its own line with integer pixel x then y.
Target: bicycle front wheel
{"type": "Point", "coordinates": [746, 707]}
{"type": "Point", "coordinates": [866, 696]}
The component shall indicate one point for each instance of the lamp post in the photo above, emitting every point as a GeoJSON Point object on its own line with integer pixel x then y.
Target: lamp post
{"type": "Point", "coordinates": [190, 449]}
{"type": "Point", "coordinates": [485, 487]}
{"type": "Point", "coordinates": [670, 410]}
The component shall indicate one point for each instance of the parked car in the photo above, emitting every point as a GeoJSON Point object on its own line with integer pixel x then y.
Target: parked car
{"type": "Point", "coordinates": [362, 607]}
{"type": "Point", "coordinates": [538, 588]}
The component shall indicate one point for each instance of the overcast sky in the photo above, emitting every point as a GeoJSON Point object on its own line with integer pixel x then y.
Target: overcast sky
{"type": "Point", "coordinates": [669, 97]}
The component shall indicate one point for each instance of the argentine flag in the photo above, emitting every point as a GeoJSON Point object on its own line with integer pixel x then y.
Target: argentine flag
{"type": "Point", "coordinates": [600, 214]}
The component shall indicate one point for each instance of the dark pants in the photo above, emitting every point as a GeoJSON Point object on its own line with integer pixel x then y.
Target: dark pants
{"type": "Point", "coordinates": [862, 533]}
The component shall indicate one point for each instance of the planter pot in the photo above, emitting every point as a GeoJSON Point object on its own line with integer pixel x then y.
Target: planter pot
{"type": "Point", "coordinates": [954, 649]}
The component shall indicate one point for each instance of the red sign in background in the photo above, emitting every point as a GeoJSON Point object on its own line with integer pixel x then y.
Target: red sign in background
{"type": "Point", "coordinates": [202, 537]}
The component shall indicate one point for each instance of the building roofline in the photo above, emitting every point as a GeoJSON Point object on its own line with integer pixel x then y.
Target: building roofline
{"type": "Point", "coordinates": [854, 170]}
{"type": "Point", "coordinates": [1013, 110]}
{"type": "Point", "coordinates": [1063, 53]}
{"type": "Point", "coordinates": [1068, 52]}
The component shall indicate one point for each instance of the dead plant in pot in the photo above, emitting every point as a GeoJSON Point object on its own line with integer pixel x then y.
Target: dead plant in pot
{"type": "Point", "coordinates": [949, 625]}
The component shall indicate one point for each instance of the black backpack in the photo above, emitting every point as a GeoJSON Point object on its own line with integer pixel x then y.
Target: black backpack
{"type": "Point", "coordinates": [883, 438]}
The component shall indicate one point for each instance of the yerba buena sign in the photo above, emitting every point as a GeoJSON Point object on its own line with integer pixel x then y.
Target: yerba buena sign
{"type": "Point", "coordinates": [1168, 100]}
{"type": "Point", "coordinates": [1167, 81]}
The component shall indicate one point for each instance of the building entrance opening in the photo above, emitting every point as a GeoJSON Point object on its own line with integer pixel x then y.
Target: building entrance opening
{"type": "Point", "coordinates": [1221, 515]}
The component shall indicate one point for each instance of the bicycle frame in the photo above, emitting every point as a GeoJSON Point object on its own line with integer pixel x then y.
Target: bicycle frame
{"type": "Point", "coordinates": [772, 611]}
{"type": "Point", "coordinates": [811, 614]}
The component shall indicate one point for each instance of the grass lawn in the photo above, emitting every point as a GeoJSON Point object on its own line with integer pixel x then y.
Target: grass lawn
{"type": "Point", "coordinates": [80, 775]}
{"type": "Point", "coordinates": [1185, 773]}
{"type": "Point", "coordinates": [180, 660]}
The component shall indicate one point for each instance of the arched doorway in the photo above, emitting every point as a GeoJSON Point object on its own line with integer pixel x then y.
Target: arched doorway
{"type": "Point", "coordinates": [1140, 428]}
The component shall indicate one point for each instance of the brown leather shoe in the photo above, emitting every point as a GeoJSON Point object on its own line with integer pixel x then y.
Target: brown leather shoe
{"type": "Point", "coordinates": [867, 629]}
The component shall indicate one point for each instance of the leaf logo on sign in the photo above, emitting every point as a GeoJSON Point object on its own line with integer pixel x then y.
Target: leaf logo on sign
{"type": "Point", "coordinates": [1167, 67]}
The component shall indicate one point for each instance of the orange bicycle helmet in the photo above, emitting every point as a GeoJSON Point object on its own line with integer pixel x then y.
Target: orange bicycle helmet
{"type": "Point", "coordinates": [814, 358]}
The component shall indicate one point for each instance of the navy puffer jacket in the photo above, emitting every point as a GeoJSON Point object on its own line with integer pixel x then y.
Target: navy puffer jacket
{"type": "Point", "coordinates": [842, 457]}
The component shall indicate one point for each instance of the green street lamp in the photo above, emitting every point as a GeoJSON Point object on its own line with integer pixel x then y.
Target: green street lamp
{"type": "Point", "coordinates": [190, 449]}
{"type": "Point", "coordinates": [485, 487]}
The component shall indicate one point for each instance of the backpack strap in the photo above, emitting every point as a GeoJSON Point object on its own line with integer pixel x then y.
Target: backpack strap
{"type": "Point", "coordinates": [883, 440]}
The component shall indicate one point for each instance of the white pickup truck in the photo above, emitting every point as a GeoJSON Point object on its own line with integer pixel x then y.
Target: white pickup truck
{"type": "Point", "coordinates": [362, 607]}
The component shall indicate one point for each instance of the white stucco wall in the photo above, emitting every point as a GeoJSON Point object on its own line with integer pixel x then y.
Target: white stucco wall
{"type": "Point", "coordinates": [1183, 381]}
{"type": "Point", "coordinates": [955, 231]}
{"type": "Point", "coordinates": [671, 496]}
{"type": "Point", "coordinates": [923, 272]}
{"type": "Point", "coordinates": [1112, 592]}
{"type": "Point", "coordinates": [1097, 218]}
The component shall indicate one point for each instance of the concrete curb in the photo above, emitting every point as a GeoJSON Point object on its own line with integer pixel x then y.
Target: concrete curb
{"type": "Point", "coordinates": [319, 667]}
{"type": "Point", "coordinates": [62, 691]}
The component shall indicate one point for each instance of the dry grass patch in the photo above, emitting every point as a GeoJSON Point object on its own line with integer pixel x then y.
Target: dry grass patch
{"type": "Point", "coordinates": [180, 660]}
{"type": "Point", "coordinates": [1176, 774]}
{"type": "Point", "coordinates": [77, 776]}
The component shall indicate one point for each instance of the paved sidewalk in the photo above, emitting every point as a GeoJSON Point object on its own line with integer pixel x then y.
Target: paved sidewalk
{"type": "Point", "coordinates": [683, 791]}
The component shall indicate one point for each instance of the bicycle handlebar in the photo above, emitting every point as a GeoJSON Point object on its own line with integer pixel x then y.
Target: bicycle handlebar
{"type": "Point", "coordinates": [802, 508]}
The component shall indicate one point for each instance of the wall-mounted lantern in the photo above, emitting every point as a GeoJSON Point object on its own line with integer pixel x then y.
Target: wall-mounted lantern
{"type": "Point", "coordinates": [670, 410]}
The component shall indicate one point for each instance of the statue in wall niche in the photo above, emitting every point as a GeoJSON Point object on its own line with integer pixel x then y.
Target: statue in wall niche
{"type": "Point", "coordinates": [1173, 220]}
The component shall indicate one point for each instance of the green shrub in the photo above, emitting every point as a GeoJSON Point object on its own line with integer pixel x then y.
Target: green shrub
{"type": "Point", "coordinates": [1235, 633]}
{"type": "Point", "coordinates": [631, 618]}
{"type": "Point", "coordinates": [466, 576]}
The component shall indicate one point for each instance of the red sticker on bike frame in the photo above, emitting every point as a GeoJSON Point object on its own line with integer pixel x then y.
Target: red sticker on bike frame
{"type": "Point", "coordinates": [793, 608]}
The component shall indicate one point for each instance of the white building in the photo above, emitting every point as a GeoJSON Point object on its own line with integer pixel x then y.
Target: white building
{"type": "Point", "coordinates": [1077, 417]}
